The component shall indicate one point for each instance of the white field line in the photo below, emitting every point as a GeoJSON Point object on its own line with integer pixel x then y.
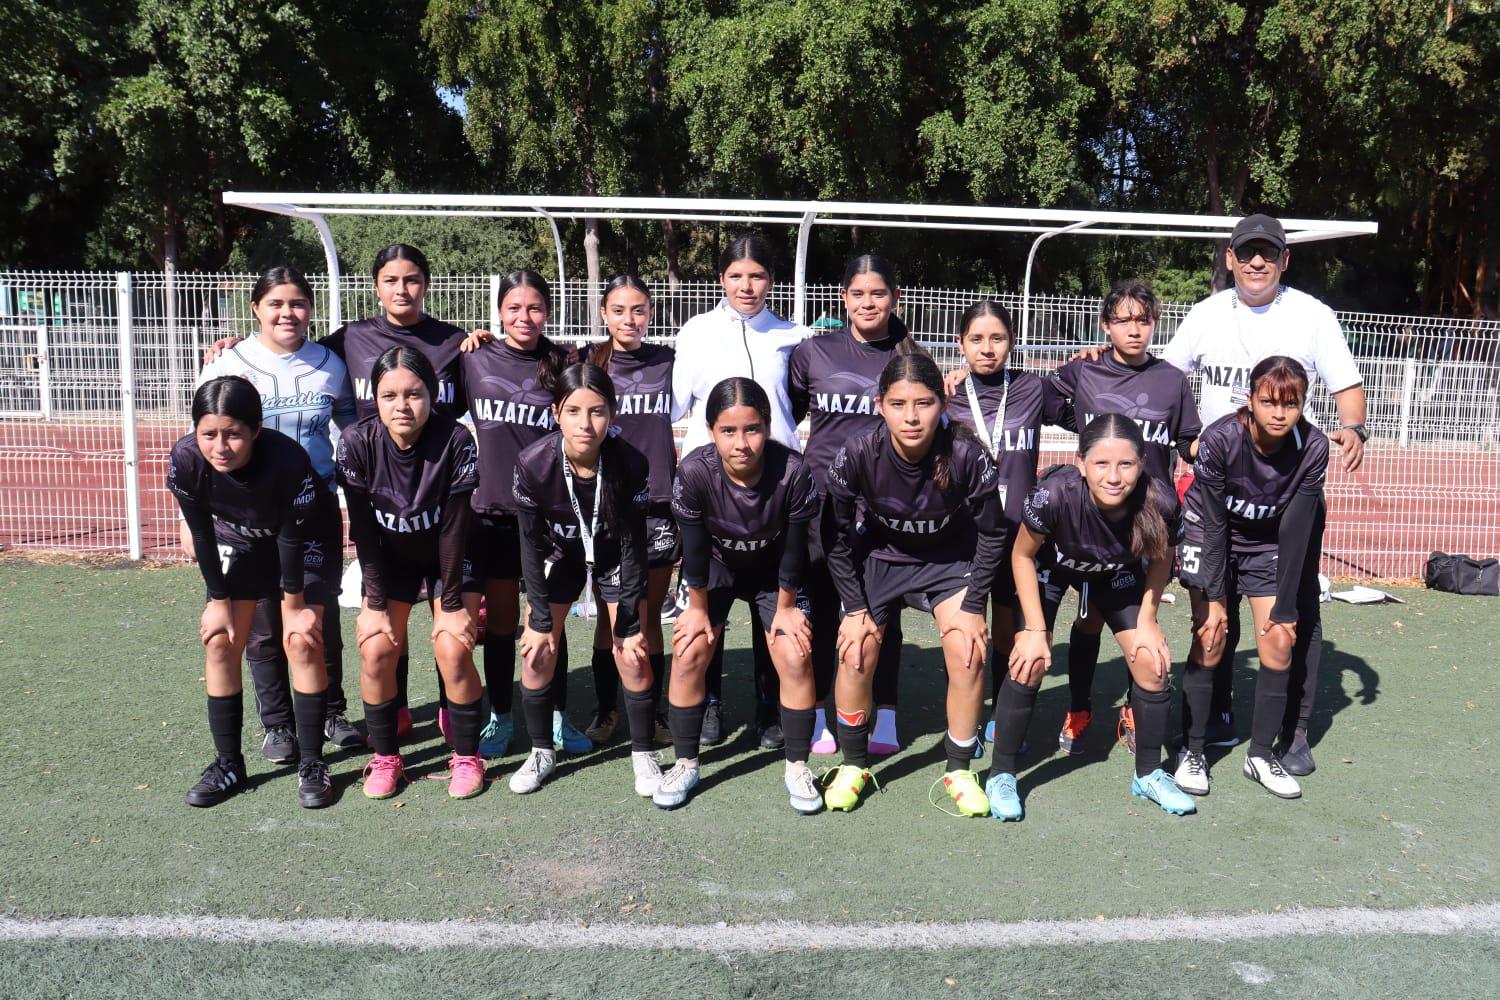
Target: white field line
{"type": "Point", "coordinates": [759, 937]}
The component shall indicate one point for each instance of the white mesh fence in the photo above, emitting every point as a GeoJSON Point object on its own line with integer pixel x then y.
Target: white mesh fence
{"type": "Point", "coordinates": [1431, 478]}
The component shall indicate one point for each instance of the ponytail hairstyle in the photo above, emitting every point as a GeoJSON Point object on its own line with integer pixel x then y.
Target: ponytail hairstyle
{"type": "Point", "coordinates": [1148, 529]}
{"type": "Point", "coordinates": [919, 367]}
{"type": "Point", "coordinates": [738, 391]}
{"type": "Point", "coordinates": [874, 263]}
{"type": "Point", "coordinates": [280, 276]}
{"type": "Point", "coordinates": [551, 359]}
{"type": "Point", "coordinates": [228, 396]}
{"type": "Point", "coordinates": [756, 248]}
{"type": "Point", "coordinates": [993, 308]}
{"type": "Point", "coordinates": [600, 354]}
{"type": "Point", "coordinates": [410, 359]}
{"type": "Point", "coordinates": [1284, 377]}
{"type": "Point", "coordinates": [1130, 291]}
{"type": "Point", "coordinates": [615, 499]}
{"type": "Point", "coordinates": [402, 251]}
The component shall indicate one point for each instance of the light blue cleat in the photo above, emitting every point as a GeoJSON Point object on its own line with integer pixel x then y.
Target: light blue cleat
{"type": "Point", "coordinates": [495, 740]}
{"type": "Point", "coordinates": [1005, 801]}
{"type": "Point", "coordinates": [1159, 787]}
{"type": "Point", "coordinates": [566, 737]}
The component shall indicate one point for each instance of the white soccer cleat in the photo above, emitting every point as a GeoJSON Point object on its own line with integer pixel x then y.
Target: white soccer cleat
{"type": "Point", "coordinates": [676, 785]}
{"type": "Point", "coordinates": [802, 788]}
{"type": "Point", "coordinates": [1192, 773]}
{"type": "Point", "coordinates": [1272, 777]}
{"type": "Point", "coordinates": [647, 772]}
{"type": "Point", "coordinates": [538, 768]}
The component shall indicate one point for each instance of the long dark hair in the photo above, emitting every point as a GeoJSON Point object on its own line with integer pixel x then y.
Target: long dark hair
{"type": "Point", "coordinates": [601, 353]}
{"type": "Point", "coordinates": [1148, 529]}
{"type": "Point", "coordinates": [228, 396]}
{"type": "Point", "coordinates": [280, 275]}
{"type": "Point", "coordinates": [615, 501]}
{"type": "Point", "coordinates": [551, 359]}
{"type": "Point", "coordinates": [756, 248]}
{"type": "Point", "coordinates": [410, 359]}
{"type": "Point", "coordinates": [919, 367]}
{"type": "Point", "coordinates": [874, 263]}
{"type": "Point", "coordinates": [401, 251]}
{"type": "Point", "coordinates": [737, 391]}
{"type": "Point", "coordinates": [993, 308]}
{"type": "Point", "coordinates": [1287, 381]}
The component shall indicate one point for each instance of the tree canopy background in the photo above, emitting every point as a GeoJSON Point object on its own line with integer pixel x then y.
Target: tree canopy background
{"type": "Point", "coordinates": [121, 123]}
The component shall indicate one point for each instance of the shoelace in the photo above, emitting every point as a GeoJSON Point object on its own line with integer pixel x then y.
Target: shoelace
{"type": "Point", "coordinates": [940, 806]}
{"type": "Point", "coordinates": [1196, 765]}
{"type": "Point", "coordinates": [383, 765]}
{"type": "Point", "coordinates": [676, 775]}
{"type": "Point", "coordinates": [830, 773]}
{"type": "Point", "coordinates": [312, 768]}
{"type": "Point", "coordinates": [805, 783]}
{"type": "Point", "coordinates": [1274, 766]}
{"type": "Point", "coordinates": [219, 772]}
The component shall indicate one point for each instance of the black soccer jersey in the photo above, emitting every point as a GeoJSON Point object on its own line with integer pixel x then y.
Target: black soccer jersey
{"type": "Point", "coordinates": [361, 343]}
{"type": "Point", "coordinates": [511, 410]}
{"type": "Point", "coordinates": [643, 399]}
{"type": "Point", "coordinates": [835, 378]}
{"type": "Point", "coordinates": [746, 525]}
{"type": "Point", "coordinates": [408, 509]}
{"type": "Point", "coordinates": [1027, 407]}
{"type": "Point", "coordinates": [1256, 488]}
{"type": "Point", "coordinates": [263, 503]}
{"type": "Point", "coordinates": [1155, 395]}
{"type": "Point", "coordinates": [909, 520]}
{"type": "Point", "coordinates": [1083, 542]}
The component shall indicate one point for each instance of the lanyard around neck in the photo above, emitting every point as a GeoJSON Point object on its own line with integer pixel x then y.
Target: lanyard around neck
{"type": "Point", "coordinates": [992, 443]}
{"type": "Point", "coordinates": [586, 532]}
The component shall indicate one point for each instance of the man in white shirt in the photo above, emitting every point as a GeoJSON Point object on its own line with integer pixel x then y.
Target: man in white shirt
{"type": "Point", "coordinates": [1228, 333]}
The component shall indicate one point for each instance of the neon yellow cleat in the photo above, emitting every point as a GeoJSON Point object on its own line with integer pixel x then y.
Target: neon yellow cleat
{"type": "Point", "coordinates": [963, 788]}
{"type": "Point", "coordinates": [845, 785]}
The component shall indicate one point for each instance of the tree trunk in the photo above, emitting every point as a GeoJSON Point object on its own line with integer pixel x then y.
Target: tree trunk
{"type": "Point", "coordinates": [1221, 277]}
{"type": "Point", "coordinates": [595, 279]}
{"type": "Point", "coordinates": [179, 374]}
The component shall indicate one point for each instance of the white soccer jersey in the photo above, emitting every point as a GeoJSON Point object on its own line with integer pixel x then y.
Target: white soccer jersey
{"type": "Point", "coordinates": [1224, 338]}
{"type": "Point", "coordinates": [300, 393]}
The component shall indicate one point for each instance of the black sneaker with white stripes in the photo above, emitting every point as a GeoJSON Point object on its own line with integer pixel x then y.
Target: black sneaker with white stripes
{"type": "Point", "coordinates": [220, 780]}
{"type": "Point", "coordinates": [314, 788]}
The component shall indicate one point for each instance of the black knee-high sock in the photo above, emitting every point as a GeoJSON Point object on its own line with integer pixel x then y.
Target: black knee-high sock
{"type": "Point", "coordinates": [381, 721]}
{"type": "Point", "coordinates": [536, 708]}
{"type": "Point", "coordinates": [606, 680]}
{"type": "Point", "coordinates": [465, 720]}
{"type": "Point", "coordinates": [797, 729]}
{"type": "Point", "coordinates": [1151, 710]}
{"type": "Point", "coordinates": [310, 710]}
{"type": "Point", "coordinates": [1197, 699]}
{"type": "Point", "coordinates": [1224, 673]}
{"type": "Point", "coordinates": [687, 724]}
{"type": "Point", "coordinates": [500, 671]}
{"type": "Point", "coordinates": [1270, 708]}
{"type": "Point", "coordinates": [886, 690]}
{"type": "Point", "coordinates": [854, 739]}
{"type": "Point", "coordinates": [560, 676]}
{"type": "Point", "coordinates": [1302, 686]}
{"type": "Point", "coordinates": [1083, 663]}
{"type": "Point", "coordinates": [960, 758]}
{"type": "Point", "coordinates": [1013, 709]}
{"type": "Point", "coordinates": [640, 714]}
{"type": "Point", "coordinates": [226, 716]}
{"type": "Point", "coordinates": [713, 679]}
{"type": "Point", "coordinates": [658, 676]}
{"type": "Point", "coordinates": [442, 688]}
{"type": "Point", "coordinates": [403, 679]}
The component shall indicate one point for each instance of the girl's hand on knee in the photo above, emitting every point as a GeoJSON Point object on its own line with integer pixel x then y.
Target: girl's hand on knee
{"type": "Point", "coordinates": [1030, 657]}
{"type": "Point", "coordinates": [1214, 628]}
{"type": "Point", "coordinates": [536, 646]}
{"type": "Point", "coordinates": [1151, 650]}
{"type": "Point", "coordinates": [218, 619]}
{"type": "Point", "coordinates": [371, 623]}
{"type": "Point", "coordinates": [301, 622]}
{"type": "Point", "coordinates": [973, 631]}
{"type": "Point", "coordinates": [854, 631]}
{"type": "Point", "coordinates": [631, 654]}
{"type": "Point", "coordinates": [790, 625]}
{"type": "Point", "coordinates": [690, 626]}
{"type": "Point", "coordinates": [459, 624]}
{"type": "Point", "coordinates": [1280, 637]}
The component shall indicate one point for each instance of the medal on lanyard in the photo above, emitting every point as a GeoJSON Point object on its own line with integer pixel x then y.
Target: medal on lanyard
{"type": "Point", "coordinates": [587, 531]}
{"type": "Point", "coordinates": [996, 442]}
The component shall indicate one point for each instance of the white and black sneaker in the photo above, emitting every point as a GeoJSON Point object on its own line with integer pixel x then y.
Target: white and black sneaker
{"type": "Point", "coordinates": [537, 769]}
{"type": "Point", "coordinates": [338, 730]}
{"type": "Point", "coordinates": [314, 786]}
{"type": "Point", "coordinates": [280, 745]}
{"type": "Point", "coordinates": [1271, 776]}
{"type": "Point", "coordinates": [676, 785]}
{"type": "Point", "coordinates": [1192, 772]}
{"type": "Point", "coordinates": [220, 780]}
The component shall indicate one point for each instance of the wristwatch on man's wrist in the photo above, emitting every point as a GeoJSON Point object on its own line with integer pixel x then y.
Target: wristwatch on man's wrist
{"type": "Point", "coordinates": [1360, 431]}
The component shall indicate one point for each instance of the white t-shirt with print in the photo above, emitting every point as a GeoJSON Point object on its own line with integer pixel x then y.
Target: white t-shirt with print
{"type": "Point", "coordinates": [1223, 338]}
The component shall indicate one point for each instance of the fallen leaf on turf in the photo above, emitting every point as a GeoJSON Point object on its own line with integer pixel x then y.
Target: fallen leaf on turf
{"type": "Point", "coordinates": [1348, 761]}
{"type": "Point", "coordinates": [141, 788]}
{"type": "Point", "coordinates": [397, 805]}
{"type": "Point", "coordinates": [951, 982]}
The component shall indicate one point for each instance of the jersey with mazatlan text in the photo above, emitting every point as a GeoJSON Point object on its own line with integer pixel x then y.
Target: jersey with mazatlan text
{"type": "Point", "coordinates": [1027, 408]}
{"type": "Point", "coordinates": [746, 525]}
{"type": "Point", "coordinates": [1256, 487]}
{"type": "Point", "coordinates": [1081, 541]}
{"type": "Point", "coordinates": [362, 342]}
{"type": "Point", "coordinates": [511, 409]}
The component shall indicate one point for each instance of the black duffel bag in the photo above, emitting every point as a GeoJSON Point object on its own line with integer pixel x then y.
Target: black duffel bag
{"type": "Point", "coordinates": [1463, 575]}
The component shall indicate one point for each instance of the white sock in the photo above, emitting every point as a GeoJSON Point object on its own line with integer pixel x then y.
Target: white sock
{"type": "Point", "coordinates": [885, 727]}
{"type": "Point", "coordinates": [963, 743]}
{"type": "Point", "coordinates": [820, 726]}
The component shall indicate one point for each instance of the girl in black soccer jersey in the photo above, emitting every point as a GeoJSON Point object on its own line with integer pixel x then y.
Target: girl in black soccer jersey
{"type": "Point", "coordinates": [510, 384]}
{"type": "Point", "coordinates": [1103, 527]}
{"type": "Point", "coordinates": [247, 494]}
{"type": "Point", "coordinates": [1005, 408]}
{"type": "Point", "coordinates": [1126, 380]}
{"type": "Point", "coordinates": [581, 495]}
{"type": "Point", "coordinates": [642, 376]}
{"type": "Point", "coordinates": [932, 538]}
{"type": "Point", "coordinates": [835, 377]}
{"type": "Point", "coordinates": [408, 473]}
{"type": "Point", "coordinates": [745, 504]}
{"type": "Point", "coordinates": [1255, 529]}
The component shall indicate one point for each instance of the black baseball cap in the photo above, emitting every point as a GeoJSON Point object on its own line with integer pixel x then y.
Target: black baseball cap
{"type": "Point", "coordinates": [1258, 227]}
